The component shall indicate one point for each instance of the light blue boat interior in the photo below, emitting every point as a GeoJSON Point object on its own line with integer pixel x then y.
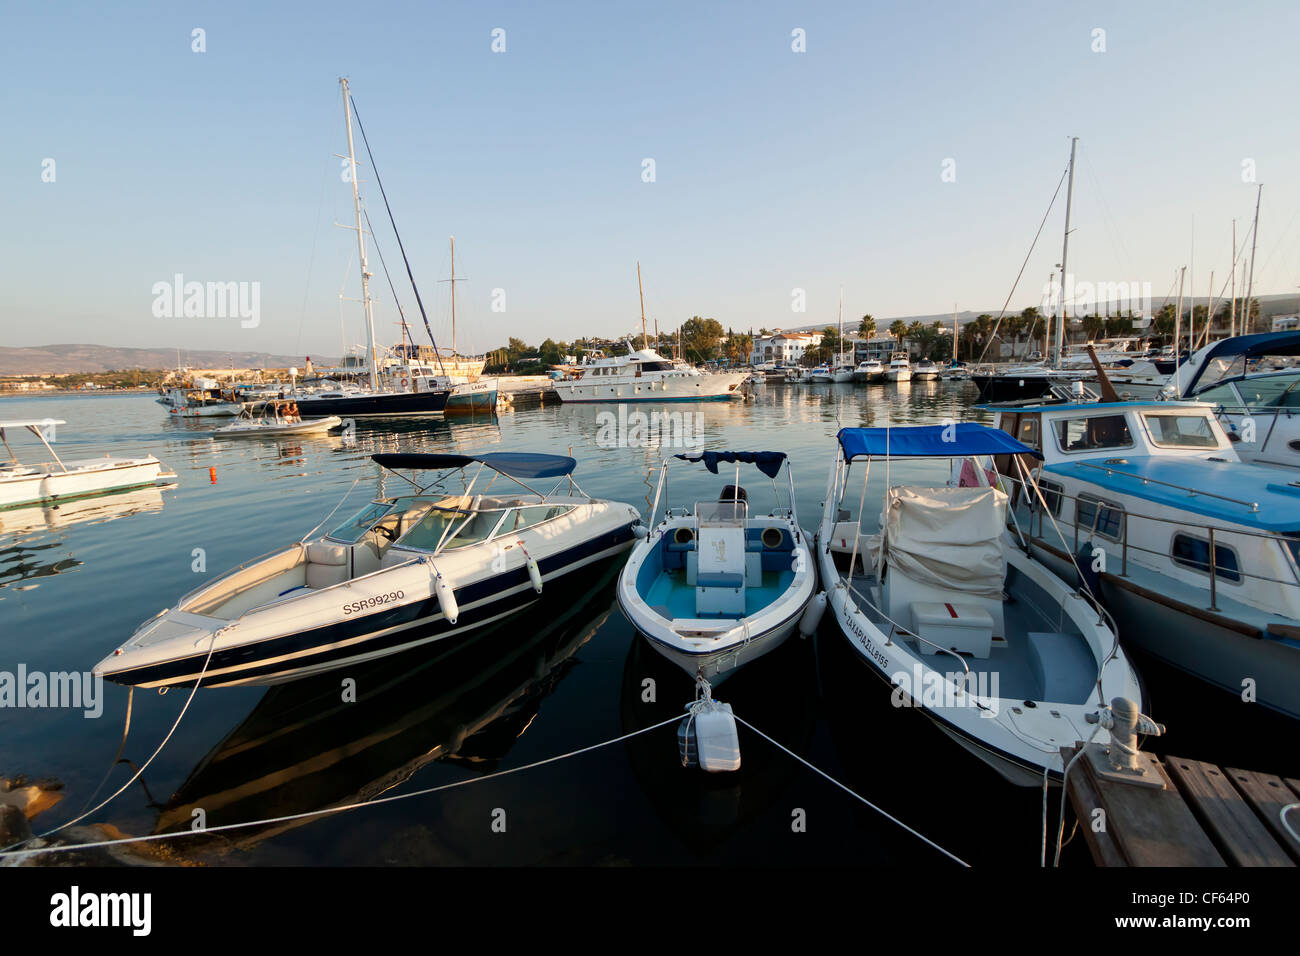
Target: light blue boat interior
{"type": "Point", "coordinates": [661, 581]}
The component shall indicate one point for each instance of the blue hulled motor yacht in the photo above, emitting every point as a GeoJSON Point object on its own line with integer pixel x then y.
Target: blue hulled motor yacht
{"type": "Point", "coordinates": [1194, 551]}
{"type": "Point", "coordinates": [402, 572]}
{"type": "Point", "coordinates": [716, 585]}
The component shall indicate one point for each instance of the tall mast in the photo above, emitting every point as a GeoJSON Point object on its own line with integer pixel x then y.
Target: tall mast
{"type": "Point", "coordinates": [954, 332]}
{"type": "Point", "coordinates": [361, 238]}
{"type": "Point", "coordinates": [1232, 302]}
{"type": "Point", "coordinates": [453, 298]}
{"type": "Point", "coordinates": [641, 291]}
{"type": "Point", "coordinates": [1178, 323]}
{"type": "Point", "coordinates": [1065, 248]}
{"type": "Point", "coordinates": [1250, 283]}
{"type": "Point", "coordinates": [839, 359]}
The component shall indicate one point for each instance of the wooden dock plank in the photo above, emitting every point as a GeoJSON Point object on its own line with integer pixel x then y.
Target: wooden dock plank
{"type": "Point", "coordinates": [1083, 797]}
{"type": "Point", "coordinates": [1151, 827]}
{"type": "Point", "coordinates": [1267, 795]}
{"type": "Point", "coordinates": [1228, 820]}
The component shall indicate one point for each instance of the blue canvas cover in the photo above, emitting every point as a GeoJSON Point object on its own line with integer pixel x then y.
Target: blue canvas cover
{"type": "Point", "coordinates": [768, 462]}
{"type": "Point", "coordinates": [930, 441]}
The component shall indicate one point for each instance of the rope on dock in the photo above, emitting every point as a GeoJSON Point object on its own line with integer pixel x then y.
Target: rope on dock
{"type": "Point", "coordinates": [884, 813]}
{"type": "Point", "coordinates": [328, 810]}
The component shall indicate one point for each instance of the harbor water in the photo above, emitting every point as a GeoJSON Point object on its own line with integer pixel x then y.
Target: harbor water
{"type": "Point", "coordinates": [569, 672]}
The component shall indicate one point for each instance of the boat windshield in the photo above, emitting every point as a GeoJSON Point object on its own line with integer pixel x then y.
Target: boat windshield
{"type": "Point", "coordinates": [361, 522]}
{"type": "Point", "coordinates": [1181, 431]}
{"type": "Point", "coordinates": [468, 527]}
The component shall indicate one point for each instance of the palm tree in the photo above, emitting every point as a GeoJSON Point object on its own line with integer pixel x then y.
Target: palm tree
{"type": "Point", "coordinates": [867, 326]}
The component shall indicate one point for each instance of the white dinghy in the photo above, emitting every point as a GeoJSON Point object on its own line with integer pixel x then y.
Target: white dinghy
{"type": "Point", "coordinates": [402, 572]}
{"type": "Point", "coordinates": [714, 587]}
{"type": "Point", "coordinates": [276, 418]}
{"type": "Point", "coordinates": [61, 480]}
{"type": "Point", "coordinates": [1004, 656]}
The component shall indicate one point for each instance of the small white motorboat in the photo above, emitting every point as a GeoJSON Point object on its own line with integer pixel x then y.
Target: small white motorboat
{"type": "Point", "coordinates": [712, 587]}
{"type": "Point", "coordinates": [1003, 655]}
{"type": "Point", "coordinates": [402, 572]}
{"type": "Point", "coordinates": [277, 417]}
{"type": "Point", "coordinates": [899, 370]}
{"type": "Point", "coordinates": [61, 480]}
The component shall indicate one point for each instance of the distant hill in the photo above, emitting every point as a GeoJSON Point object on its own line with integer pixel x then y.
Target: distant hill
{"type": "Point", "coordinates": [63, 359]}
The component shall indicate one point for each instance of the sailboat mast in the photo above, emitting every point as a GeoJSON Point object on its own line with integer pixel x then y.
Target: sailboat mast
{"type": "Point", "coordinates": [1250, 282]}
{"type": "Point", "coordinates": [1232, 303]}
{"type": "Point", "coordinates": [453, 298]}
{"type": "Point", "coordinates": [641, 292]}
{"type": "Point", "coordinates": [361, 239]}
{"type": "Point", "coordinates": [1178, 322]}
{"type": "Point", "coordinates": [1065, 249]}
{"type": "Point", "coordinates": [839, 359]}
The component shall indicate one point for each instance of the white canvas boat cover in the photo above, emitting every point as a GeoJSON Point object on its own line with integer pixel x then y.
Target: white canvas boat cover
{"type": "Point", "coordinates": [947, 537]}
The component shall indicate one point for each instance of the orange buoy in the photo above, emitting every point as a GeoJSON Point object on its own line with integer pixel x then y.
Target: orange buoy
{"type": "Point", "coordinates": [212, 474]}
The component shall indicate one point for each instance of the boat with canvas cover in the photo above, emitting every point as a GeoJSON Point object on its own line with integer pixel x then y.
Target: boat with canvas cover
{"type": "Point", "coordinates": [61, 480]}
{"type": "Point", "coordinates": [402, 572]}
{"type": "Point", "coordinates": [1003, 655]}
{"type": "Point", "coordinates": [713, 587]}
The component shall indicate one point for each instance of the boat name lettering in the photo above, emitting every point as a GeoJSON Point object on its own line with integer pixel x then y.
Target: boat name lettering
{"type": "Point", "coordinates": [357, 606]}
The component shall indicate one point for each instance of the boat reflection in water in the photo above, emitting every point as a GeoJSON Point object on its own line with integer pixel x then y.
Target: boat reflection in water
{"type": "Point", "coordinates": [707, 810]}
{"type": "Point", "coordinates": [303, 749]}
{"type": "Point", "coordinates": [23, 555]}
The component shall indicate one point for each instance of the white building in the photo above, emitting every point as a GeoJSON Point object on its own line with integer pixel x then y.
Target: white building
{"type": "Point", "coordinates": [783, 348]}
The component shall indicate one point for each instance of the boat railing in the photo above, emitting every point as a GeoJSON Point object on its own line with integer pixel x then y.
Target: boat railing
{"type": "Point", "coordinates": [1214, 535]}
{"type": "Point", "coordinates": [1191, 492]}
{"type": "Point", "coordinates": [895, 628]}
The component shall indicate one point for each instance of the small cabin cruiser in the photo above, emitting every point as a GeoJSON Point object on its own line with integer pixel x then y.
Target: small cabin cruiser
{"type": "Point", "coordinates": [402, 572]}
{"type": "Point", "coordinates": [203, 399]}
{"type": "Point", "coordinates": [1157, 489]}
{"type": "Point", "coordinates": [899, 370]}
{"type": "Point", "coordinates": [1003, 655]}
{"type": "Point", "coordinates": [715, 586]}
{"type": "Point", "coordinates": [646, 376]}
{"type": "Point", "coordinates": [274, 418]}
{"type": "Point", "coordinates": [925, 371]}
{"type": "Point", "coordinates": [60, 480]}
{"type": "Point", "coordinates": [869, 371]}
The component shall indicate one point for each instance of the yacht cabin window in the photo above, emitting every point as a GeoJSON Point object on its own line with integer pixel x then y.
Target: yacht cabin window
{"type": "Point", "coordinates": [1092, 433]}
{"type": "Point", "coordinates": [1104, 518]}
{"type": "Point", "coordinates": [1180, 431]}
{"type": "Point", "coordinates": [1192, 552]}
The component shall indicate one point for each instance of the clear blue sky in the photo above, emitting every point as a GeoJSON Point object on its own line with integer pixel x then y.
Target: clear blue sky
{"type": "Point", "coordinates": [775, 170]}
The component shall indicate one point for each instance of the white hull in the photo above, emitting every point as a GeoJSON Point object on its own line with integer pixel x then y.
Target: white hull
{"type": "Point", "coordinates": [648, 389]}
{"type": "Point", "coordinates": [30, 484]}
{"type": "Point", "coordinates": [898, 374]}
{"type": "Point", "coordinates": [315, 426]}
{"type": "Point", "coordinates": [716, 666]}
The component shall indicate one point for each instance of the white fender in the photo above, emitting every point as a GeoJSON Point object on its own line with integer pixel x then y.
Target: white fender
{"type": "Point", "coordinates": [446, 599]}
{"type": "Point", "coordinates": [812, 614]}
{"type": "Point", "coordinates": [534, 572]}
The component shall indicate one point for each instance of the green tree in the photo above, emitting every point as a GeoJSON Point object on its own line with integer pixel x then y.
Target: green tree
{"type": "Point", "coordinates": [700, 338]}
{"type": "Point", "coordinates": [867, 327]}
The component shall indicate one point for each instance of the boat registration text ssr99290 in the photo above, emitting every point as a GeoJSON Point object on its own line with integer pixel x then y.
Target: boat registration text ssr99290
{"type": "Point", "coordinates": [402, 572]}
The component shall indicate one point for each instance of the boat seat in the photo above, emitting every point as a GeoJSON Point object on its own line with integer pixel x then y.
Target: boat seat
{"type": "Point", "coordinates": [1063, 666]}
{"type": "Point", "coordinates": [721, 565]}
{"type": "Point", "coordinates": [962, 628]}
{"type": "Point", "coordinates": [327, 564]}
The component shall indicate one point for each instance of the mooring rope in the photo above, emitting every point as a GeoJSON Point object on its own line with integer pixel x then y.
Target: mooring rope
{"type": "Point", "coordinates": [884, 813]}
{"type": "Point", "coordinates": [327, 810]}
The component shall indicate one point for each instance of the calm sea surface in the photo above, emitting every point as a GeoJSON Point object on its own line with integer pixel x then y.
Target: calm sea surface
{"type": "Point", "coordinates": [567, 673]}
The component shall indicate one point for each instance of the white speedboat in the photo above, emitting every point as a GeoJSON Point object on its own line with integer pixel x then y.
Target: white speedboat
{"type": "Point", "coordinates": [715, 586]}
{"type": "Point", "coordinates": [842, 373]}
{"type": "Point", "coordinates": [1158, 489]}
{"type": "Point", "coordinates": [60, 480]}
{"type": "Point", "coordinates": [899, 370]}
{"type": "Point", "coordinates": [869, 371]}
{"type": "Point", "coordinates": [821, 375]}
{"type": "Point", "coordinates": [1003, 655]}
{"type": "Point", "coordinates": [402, 572]}
{"type": "Point", "coordinates": [646, 376]}
{"type": "Point", "coordinates": [275, 418]}
{"type": "Point", "coordinates": [925, 371]}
